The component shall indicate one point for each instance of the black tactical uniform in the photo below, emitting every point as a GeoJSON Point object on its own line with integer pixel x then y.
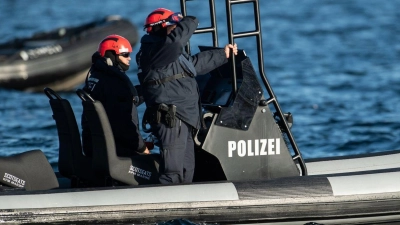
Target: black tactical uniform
{"type": "Point", "coordinates": [166, 74]}
{"type": "Point", "coordinates": [112, 87]}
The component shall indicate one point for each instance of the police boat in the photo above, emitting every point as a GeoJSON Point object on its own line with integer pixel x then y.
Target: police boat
{"type": "Point", "coordinates": [59, 58]}
{"type": "Point", "coordinates": [252, 173]}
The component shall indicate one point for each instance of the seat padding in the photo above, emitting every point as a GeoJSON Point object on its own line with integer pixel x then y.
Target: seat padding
{"type": "Point", "coordinates": [69, 137]}
{"type": "Point", "coordinates": [71, 161]}
{"type": "Point", "coordinates": [138, 169]}
{"type": "Point", "coordinates": [30, 170]}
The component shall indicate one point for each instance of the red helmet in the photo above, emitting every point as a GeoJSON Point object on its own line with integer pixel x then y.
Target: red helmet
{"type": "Point", "coordinates": [162, 16]}
{"type": "Point", "coordinates": [116, 43]}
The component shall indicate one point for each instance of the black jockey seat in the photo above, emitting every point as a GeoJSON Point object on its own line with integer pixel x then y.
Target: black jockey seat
{"type": "Point", "coordinates": [72, 163]}
{"type": "Point", "coordinates": [134, 170]}
{"type": "Point", "coordinates": [29, 171]}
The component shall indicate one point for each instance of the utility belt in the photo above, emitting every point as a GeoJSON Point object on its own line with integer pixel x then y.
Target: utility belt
{"type": "Point", "coordinates": [161, 113]}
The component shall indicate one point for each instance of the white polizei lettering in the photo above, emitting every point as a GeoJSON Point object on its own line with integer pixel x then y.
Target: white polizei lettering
{"type": "Point", "coordinates": [231, 147]}
{"type": "Point", "coordinates": [263, 146]}
{"type": "Point", "coordinates": [278, 146]}
{"type": "Point", "coordinates": [242, 148]}
{"type": "Point", "coordinates": [271, 146]}
{"type": "Point", "coordinates": [257, 147]}
{"type": "Point", "coordinates": [249, 149]}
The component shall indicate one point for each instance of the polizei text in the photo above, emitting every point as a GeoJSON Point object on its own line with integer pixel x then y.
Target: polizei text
{"type": "Point", "coordinates": [255, 147]}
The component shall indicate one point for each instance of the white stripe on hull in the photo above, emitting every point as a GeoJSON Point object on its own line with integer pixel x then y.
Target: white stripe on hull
{"type": "Point", "coordinates": [131, 196]}
{"type": "Point", "coordinates": [365, 184]}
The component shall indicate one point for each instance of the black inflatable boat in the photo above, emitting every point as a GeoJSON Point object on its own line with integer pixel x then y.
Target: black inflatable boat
{"type": "Point", "coordinates": [59, 58]}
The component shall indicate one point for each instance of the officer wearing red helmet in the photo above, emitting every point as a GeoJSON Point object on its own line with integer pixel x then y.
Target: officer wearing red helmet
{"type": "Point", "coordinates": [166, 74]}
{"type": "Point", "coordinates": [108, 83]}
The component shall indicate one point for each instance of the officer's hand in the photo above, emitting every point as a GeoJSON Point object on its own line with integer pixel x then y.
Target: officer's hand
{"type": "Point", "coordinates": [228, 47]}
{"type": "Point", "coordinates": [146, 151]}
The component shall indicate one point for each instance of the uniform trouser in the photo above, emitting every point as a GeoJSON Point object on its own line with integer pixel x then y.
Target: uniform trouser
{"type": "Point", "coordinates": [177, 152]}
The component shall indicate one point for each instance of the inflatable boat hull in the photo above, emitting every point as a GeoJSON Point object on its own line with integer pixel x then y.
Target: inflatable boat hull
{"type": "Point", "coordinates": [356, 192]}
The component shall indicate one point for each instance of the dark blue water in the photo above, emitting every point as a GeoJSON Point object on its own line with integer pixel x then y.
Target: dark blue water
{"type": "Point", "coordinates": [334, 64]}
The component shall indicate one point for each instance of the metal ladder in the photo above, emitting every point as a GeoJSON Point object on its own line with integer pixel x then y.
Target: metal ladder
{"type": "Point", "coordinates": [255, 33]}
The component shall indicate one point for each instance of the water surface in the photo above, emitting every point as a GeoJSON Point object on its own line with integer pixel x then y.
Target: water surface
{"type": "Point", "coordinates": [334, 64]}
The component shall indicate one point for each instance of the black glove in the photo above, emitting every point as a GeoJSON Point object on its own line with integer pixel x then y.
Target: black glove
{"type": "Point", "coordinates": [139, 94]}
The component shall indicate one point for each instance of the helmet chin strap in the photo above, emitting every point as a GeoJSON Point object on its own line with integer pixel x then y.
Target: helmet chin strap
{"type": "Point", "coordinates": [111, 58]}
{"type": "Point", "coordinates": [109, 62]}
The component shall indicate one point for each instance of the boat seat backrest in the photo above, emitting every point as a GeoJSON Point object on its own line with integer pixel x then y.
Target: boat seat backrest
{"type": "Point", "coordinates": [28, 170]}
{"type": "Point", "coordinates": [134, 170]}
{"type": "Point", "coordinates": [101, 137]}
{"type": "Point", "coordinates": [72, 163]}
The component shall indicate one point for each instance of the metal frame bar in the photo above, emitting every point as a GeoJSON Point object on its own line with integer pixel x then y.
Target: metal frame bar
{"type": "Point", "coordinates": [256, 33]}
{"type": "Point", "coordinates": [211, 29]}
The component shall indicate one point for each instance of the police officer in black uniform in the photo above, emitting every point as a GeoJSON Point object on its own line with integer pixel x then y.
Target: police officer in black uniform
{"type": "Point", "coordinates": [108, 83]}
{"type": "Point", "coordinates": [166, 74]}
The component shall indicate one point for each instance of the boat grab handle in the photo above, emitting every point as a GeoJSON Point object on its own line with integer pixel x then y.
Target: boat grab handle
{"type": "Point", "coordinates": [84, 95]}
{"type": "Point", "coordinates": [51, 94]}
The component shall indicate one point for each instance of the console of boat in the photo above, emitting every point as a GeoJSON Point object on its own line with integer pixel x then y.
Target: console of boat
{"type": "Point", "coordinates": [248, 166]}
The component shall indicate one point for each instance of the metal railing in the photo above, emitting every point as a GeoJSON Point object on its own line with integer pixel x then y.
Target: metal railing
{"type": "Point", "coordinates": [258, 35]}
